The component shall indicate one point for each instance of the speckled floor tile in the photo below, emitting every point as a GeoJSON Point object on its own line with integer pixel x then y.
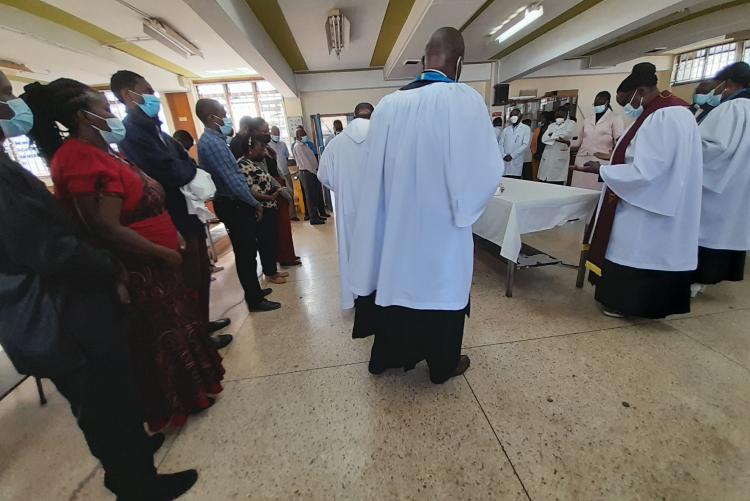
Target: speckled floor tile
{"type": "Point", "coordinates": [728, 333]}
{"type": "Point", "coordinates": [340, 433]}
{"type": "Point", "coordinates": [641, 412]}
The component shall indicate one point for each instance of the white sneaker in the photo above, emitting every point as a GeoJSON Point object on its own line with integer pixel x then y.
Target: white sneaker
{"type": "Point", "coordinates": [696, 289]}
{"type": "Point", "coordinates": [612, 314]}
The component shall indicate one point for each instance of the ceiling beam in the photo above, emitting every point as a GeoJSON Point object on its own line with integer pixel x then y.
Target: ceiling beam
{"type": "Point", "coordinates": [272, 18]}
{"type": "Point", "coordinates": [601, 21]}
{"type": "Point", "coordinates": [237, 25]}
{"type": "Point", "coordinates": [393, 22]}
{"type": "Point", "coordinates": [51, 13]}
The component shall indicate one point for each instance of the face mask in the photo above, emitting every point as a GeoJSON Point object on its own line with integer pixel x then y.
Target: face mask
{"type": "Point", "coordinates": [631, 111]}
{"type": "Point", "coordinates": [713, 99]}
{"type": "Point", "coordinates": [226, 127]}
{"type": "Point", "coordinates": [700, 99]}
{"type": "Point", "coordinates": [600, 109]}
{"type": "Point", "coordinates": [275, 139]}
{"type": "Point", "coordinates": [22, 120]}
{"type": "Point", "coordinates": [559, 121]}
{"type": "Point", "coordinates": [514, 119]}
{"type": "Point", "coordinates": [116, 132]}
{"type": "Point", "coordinates": [151, 104]}
{"type": "Point", "coordinates": [304, 139]}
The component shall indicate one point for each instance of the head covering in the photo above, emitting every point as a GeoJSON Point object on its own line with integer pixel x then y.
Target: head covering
{"type": "Point", "coordinates": [643, 74]}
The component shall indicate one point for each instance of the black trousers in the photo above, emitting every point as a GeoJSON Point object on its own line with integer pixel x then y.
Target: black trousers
{"type": "Point", "coordinates": [239, 218]}
{"type": "Point", "coordinates": [313, 194]}
{"type": "Point", "coordinates": [527, 173]}
{"type": "Point", "coordinates": [268, 241]}
{"type": "Point", "coordinates": [102, 393]}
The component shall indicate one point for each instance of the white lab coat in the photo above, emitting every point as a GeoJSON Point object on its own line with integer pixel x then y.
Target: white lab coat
{"type": "Point", "coordinates": [598, 137]}
{"type": "Point", "coordinates": [725, 133]}
{"type": "Point", "coordinates": [556, 157]}
{"type": "Point", "coordinates": [423, 190]}
{"type": "Point", "coordinates": [516, 140]}
{"type": "Point", "coordinates": [341, 171]}
{"type": "Point", "coordinates": [658, 217]}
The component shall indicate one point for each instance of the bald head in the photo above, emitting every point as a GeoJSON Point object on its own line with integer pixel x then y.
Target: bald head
{"type": "Point", "coordinates": [443, 52]}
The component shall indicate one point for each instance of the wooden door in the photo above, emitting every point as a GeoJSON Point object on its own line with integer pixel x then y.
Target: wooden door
{"type": "Point", "coordinates": [182, 115]}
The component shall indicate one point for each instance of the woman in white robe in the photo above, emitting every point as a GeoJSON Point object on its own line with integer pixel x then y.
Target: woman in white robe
{"type": "Point", "coordinates": [725, 225]}
{"type": "Point", "coordinates": [644, 247]}
{"type": "Point", "coordinates": [556, 157]}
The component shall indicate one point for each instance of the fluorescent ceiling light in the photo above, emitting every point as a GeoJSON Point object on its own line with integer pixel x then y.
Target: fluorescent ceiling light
{"type": "Point", "coordinates": [531, 14]}
{"type": "Point", "coordinates": [219, 72]}
{"type": "Point", "coordinates": [167, 36]}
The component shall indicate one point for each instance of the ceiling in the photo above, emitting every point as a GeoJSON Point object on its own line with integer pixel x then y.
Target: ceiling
{"type": "Point", "coordinates": [279, 39]}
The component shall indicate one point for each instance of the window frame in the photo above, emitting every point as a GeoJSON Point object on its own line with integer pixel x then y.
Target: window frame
{"type": "Point", "coordinates": [703, 57]}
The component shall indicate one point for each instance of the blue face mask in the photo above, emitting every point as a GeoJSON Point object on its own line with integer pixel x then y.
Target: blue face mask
{"type": "Point", "coordinates": [226, 126]}
{"type": "Point", "coordinates": [151, 104]}
{"type": "Point", "coordinates": [713, 99]}
{"type": "Point", "coordinates": [22, 120]}
{"type": "Point", "coordinates": [700, 99]}
{"type": "Point", "coordinates": [116, 132]}
{"type": "Point", "coordinates": [632, 111]}
{"type": "Point", "coordinates": [600, 109]}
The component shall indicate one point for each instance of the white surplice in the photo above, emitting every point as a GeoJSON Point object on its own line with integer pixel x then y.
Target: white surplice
{"type": "Point", "coordinates": [658, 217]}
{"type": "Point", "coordinates": [423, 189]}
{"type": "Point", "coordinates": [556, 157]}
{"type": "Point", "coordinates": [725, 133]}
{"type": "Point", "coordinates": [516, 139]}
{"type": "Point", "coordinates": [341, 171]}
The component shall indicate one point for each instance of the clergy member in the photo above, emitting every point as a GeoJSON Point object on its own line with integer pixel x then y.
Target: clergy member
{"type": "Point", "coordinates": [341, 171]}
{"type": "Point", "coordinates": [725, 226]}
{"type": "Point", "coordinates": [516, 140]}
{"type": "Point", "coordinates": [411, 259]}
{"type": "Point", "coordinates": [556, 157]}
{"type": "Point", "coordinates": [644, 247]}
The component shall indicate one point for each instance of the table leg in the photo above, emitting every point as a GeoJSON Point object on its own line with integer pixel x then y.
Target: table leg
{"type": "Point", "coordinates": [40, 389]}
{"type": "Point", "coordinates": [510, 275]}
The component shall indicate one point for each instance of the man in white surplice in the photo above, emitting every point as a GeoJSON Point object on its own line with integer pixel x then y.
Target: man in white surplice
{"type": "Point", "coordinates": [411, 259]}
{"type": "Point", "coordinates": [725, 226]}
{"type": "Point", "coordinates": [341, 171]}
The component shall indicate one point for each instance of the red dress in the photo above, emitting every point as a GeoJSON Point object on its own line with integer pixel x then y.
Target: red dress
{"type": "Point", "coordinates": [176, 364]}
{"type": "Point", "coordinates": [286, 252]}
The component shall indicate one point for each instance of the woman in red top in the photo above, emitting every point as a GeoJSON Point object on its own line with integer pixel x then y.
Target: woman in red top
{"type": "Point", "coordinates": [123, 209]}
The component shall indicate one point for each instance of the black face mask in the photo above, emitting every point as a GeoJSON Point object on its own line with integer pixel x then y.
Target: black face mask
{"type": "Point", "coordinates": [264, 138]}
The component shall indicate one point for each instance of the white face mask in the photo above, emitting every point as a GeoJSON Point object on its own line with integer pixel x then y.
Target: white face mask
{"type": "Point", "coordinates": [275, 139]}
{"type": "Point", "coordinates": [599, 109]}
{"type": "Point", "coordinates": [559, 120]}
{"type": "Point", "coordinates": [304, 139]}
{"type": "Point", "coordinates": [514, 119]}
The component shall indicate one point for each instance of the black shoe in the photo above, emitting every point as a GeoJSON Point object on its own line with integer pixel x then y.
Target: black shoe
{"type": "Point", "coordinates": [266, 292]}
{"type": "Point", "coordinates": [165, 487]}
{"type": "Point", "coordinates": [307, 218]}
{"type": "Point", "coordinates": [295, 218]}
{"type": "Point", "coordinates": [221, 340]}
{"type": "Point", "coordinates": [217, 325]}
{"type": "Point", "coordinates": [316, 222]}
{"type": "Point", "coordinates": [264, 305]}
{"type": "Point", "coordinates": [155, 442]}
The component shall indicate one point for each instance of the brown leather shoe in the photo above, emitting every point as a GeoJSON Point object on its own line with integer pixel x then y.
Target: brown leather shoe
{"type": "Point", "coordinates": [282, 274]}
{"type": "Point", "coordinates": [276, 279]}
{"type": "Point", "coordinates": [463, 364]}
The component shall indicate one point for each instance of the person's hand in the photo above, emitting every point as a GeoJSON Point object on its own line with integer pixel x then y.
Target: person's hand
{"type": "Point", "coordinates": [181, 244]}
{"type": "Point", "coordinates": [276, 194]}
{"type": "Point", "coordinates": [602, 156]}
{"type": "Point", "coordinates": [173, 259]}
{"type": "Point", "coordinates": [258, 212]}
{"type": "Point", "coordinates": [590, 166]}
{"type": "Point", "coordinates": [507, 158]}
{"type": "Point", "coordinates": [563, 141]}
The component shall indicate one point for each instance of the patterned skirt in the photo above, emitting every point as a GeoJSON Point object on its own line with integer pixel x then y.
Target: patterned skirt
{"type": "Point", "coordinates": [177, 367]}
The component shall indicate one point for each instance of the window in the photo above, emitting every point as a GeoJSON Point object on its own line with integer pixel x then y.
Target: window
{"type": "Point", "coordinates": [249, 98]}
{"type": "Point", "coordinates": [23, 151]}
{"type": "Point", "coordinates": [703, 63]}
{"type": "Point", "coordinates": [746, 55]}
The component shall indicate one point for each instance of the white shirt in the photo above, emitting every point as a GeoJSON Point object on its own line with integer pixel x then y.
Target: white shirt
{"type": "Point", "coordinates": [516, 139]}
{"type": "Point", "coordinates": [305, 157]}
{"type": "Point", "coordinates": [341, 171]}
{"type": "Point", "coordinates": [556, 157]}
{"type": "Point", "coordinates": [423, 191]}
{"type": "Point", "coordinates": [658, 216]}
{"type": "Point", "coordinates": [725, 133]}
{"type": "Point", "coordinates": [282, 156]}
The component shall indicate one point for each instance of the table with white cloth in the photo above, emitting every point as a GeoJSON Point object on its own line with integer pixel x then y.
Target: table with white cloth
{"type": "Point", "coordinates": [526, 207]}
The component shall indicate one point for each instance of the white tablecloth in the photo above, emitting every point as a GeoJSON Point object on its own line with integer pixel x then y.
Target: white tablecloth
{"type": "Point", "coordinates": [526, 207]}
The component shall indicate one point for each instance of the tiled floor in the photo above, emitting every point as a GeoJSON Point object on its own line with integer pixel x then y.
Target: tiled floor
{"type": "Point", "coordinates": [560, 403]}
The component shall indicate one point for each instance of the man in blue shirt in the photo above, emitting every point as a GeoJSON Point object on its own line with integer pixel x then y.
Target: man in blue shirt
{"type": "Point", "coordinates": [234, 203]}
{"type": "Point", "coordinates": [162, 158]}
